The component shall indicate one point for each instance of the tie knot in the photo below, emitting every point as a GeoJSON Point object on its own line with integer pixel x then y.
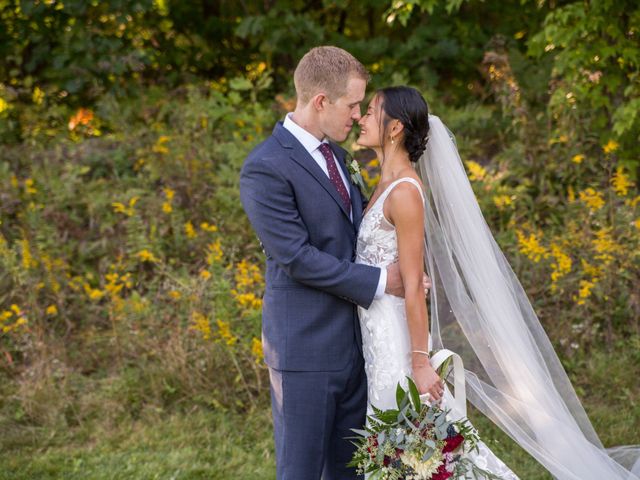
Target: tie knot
{"type": "Point", "coordinates": [325, 149]}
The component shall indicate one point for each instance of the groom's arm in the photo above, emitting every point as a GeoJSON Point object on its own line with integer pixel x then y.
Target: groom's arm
{"type": "Point", "coordinates": [268, 200]}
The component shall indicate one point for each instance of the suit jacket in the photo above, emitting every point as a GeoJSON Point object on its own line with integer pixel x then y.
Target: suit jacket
{"type": "Point", "coordinates": [309, 316]}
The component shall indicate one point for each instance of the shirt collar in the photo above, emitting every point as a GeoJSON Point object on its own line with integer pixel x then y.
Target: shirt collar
{"type": "Point", "coordinates": [308, 140]}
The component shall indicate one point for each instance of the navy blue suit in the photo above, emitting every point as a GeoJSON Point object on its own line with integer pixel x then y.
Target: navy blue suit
{"type": "Point", "coordinates": [311, 335]}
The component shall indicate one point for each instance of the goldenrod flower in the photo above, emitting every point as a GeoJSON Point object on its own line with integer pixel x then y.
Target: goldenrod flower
{"type": "Point", "coordinates": [256, 349]}
{"type": "Point", "coordinates": [214, 252]}
{"type": "Point", "coordinates": [561, 266]}
{"type": "Point", "coordinates": [189, 230]}
{"type": "Point", "coordinates": [159, 146]}
{"type": "Point", "coordinates": [585, 291]}
{"type": "Point", "coordinates": [201, 324]}
{"type": "Point", "coordinates": [28, 187]}
{"type": "Point", "coordinates": [610, 147]}
{"type": "Point", "coordinates": [224, 330]}
{"type": "Point", "coordinates": [476, 171]}
{"type": "Point", "coordinates": [621, 182]}
{"type": "Point", "coordinates": [93, 293]}
{"type": "Point", "coordinates": [501, 201]}
{"type": "Point", "coordinates": [592, 198]}
{"type": "Point", "coordinates": [146, 256]}
{"type": "Point", "coordinates": [127, 210]}
{"type": "Point", "coordinates": [208, 228]}
{"type": "Point", "coordinates": [531, 247]}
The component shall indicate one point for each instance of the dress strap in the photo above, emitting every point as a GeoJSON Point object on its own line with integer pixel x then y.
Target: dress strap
{"type": "Point", "coordinates": [393, 184]}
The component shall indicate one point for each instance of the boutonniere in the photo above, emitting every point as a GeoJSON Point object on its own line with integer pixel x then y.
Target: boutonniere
{"type": "Point", "coordinates": [354, 172]}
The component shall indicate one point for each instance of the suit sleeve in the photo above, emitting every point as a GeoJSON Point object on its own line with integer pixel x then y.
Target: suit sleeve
{"type": "Point", "coordinates": [269, 202]}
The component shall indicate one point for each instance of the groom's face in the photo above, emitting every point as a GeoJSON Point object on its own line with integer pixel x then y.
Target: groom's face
{"type": "Point", "coordinates": [339, 115]}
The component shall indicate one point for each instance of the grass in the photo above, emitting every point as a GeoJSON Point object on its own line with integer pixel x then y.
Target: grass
{"type": "Point", "coordinates": [206, 443]}
{"type": "Point", "coordinates": [198, 445]}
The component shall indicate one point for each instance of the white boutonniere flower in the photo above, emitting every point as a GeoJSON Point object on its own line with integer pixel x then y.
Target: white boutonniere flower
{"type": "Point", "coordinates": [354, 172]}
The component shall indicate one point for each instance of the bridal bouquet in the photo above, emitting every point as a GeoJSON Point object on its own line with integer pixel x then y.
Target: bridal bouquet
{"type": "Point", "coordinates": [416, 441]}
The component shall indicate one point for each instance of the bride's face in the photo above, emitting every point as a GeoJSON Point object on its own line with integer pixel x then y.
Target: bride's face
{"type": "Point", "coordinates": [371, 124]}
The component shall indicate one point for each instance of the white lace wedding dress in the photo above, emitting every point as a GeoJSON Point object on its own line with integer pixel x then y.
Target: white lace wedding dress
{"type": "Point", "coordinates": [385, 334]}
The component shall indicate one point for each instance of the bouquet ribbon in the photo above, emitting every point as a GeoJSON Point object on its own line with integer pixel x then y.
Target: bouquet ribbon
{"type": "Point", "coordinates": [457, 401]}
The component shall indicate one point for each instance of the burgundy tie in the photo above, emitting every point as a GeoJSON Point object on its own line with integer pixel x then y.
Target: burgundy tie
{"type": "Point", "coordinates": [334, 176]}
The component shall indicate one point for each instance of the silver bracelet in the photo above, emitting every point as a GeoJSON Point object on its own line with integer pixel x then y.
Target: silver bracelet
{"type": "Point", "coordinates": [420, 351]}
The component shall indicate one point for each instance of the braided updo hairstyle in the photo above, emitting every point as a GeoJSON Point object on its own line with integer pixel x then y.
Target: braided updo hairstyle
{"type": "Point", "coordinates": [407, 105]}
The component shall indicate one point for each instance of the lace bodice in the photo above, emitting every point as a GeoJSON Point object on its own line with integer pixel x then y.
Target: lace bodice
{"type": "Point", "coordinates": [377, 240]}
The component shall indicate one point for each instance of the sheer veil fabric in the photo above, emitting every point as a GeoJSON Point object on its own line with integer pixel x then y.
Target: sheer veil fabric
{"type": "Point", "coordinates": [480, 310]}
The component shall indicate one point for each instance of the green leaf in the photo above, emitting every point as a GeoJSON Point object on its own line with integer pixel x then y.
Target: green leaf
{"type": "Point", "coordinates": [415, 396]}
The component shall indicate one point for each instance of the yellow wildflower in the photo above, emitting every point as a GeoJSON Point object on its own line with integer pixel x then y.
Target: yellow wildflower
{"type": "Point", "coordinates": [214, 252]}
{"type": "Point", "coordinates": [166, 207]}
{"type": "Point", "coordinates": [501, 201]}
{"type": "Point", "coordinates": [585, 291]}
{"type": "Point", "coordinates": [169, 193]}
{"type": "Point", "coordinates": [205, 274]}
{"type": "Point", "coordinates": [604, 245]}
{"type": "Point", "coordinates": [28, 261]}
{"type": "Point", "coordinates": [610, 147]}
{"type": "Point", "coordinates": [189, 230]}
{"type": "Point", "coordinates": [201, 324]}
{"type": "Point", "coordinates": [531, 247]}
{"type": "Point", "coordinates": [224, 330]}
{"type": "Point", "coordinates": [175, 294]}
{"type": "Point", "coordinates": [37, 96]}
{"type": "Point", "coordinates": [146, 256]}
{"type": "Point", "coordinates": [561, 266]}
{"type": "Point", "coordinates": [637, 223]}
{"type": "Point", "coordinates": [256, 349]}
{"type": "Point", "coordinates": [578, 158]}
{"type": "Point", "coordinates": [621, 182]}
{"type": "Point", "coordinates": [3, 105]}
{"type": "Point", "coordinates": [476, 171]}
{"type": "Point", "coordinates": [51, 310]}
{"type": "Point", "coordinates": [592, 198]}
{"type": "Point", "coordinates": [28, 187]}
{"type": "Point", "coordinates": [592, 271]}
{"type": "Point", "coordinates": [127, 210]}
{"type": "Point", "coordinates": [160, 147]}
{"type": "Point", "coordinates": [93, 293]}
{"type": "Point", "coordinates": [208, 228]}
{"type": "Point", "coordinates": [571, 194]}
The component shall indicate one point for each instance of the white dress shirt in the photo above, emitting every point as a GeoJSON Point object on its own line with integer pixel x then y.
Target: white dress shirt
{"type": "Point", "coordinates": [311, 145]}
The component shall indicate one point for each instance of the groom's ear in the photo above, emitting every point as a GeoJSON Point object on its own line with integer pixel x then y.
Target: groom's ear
{"type": "Point", "coordinates": [318, 101]}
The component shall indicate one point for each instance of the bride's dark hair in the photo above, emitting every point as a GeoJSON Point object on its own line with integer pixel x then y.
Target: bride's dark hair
{"type": "Point", "coordinates": [407, 105]}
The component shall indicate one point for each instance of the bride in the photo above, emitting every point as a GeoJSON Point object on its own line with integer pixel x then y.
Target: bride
{"type": "Point", "coordinates": [478, 307]}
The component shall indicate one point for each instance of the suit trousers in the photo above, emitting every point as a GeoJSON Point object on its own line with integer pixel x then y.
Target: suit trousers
{"type": "Point", "coordinates": [313, 414]}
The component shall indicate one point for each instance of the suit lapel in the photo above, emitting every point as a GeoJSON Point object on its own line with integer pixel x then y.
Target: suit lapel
{"type": "Point", "coordinates": [300, 155]}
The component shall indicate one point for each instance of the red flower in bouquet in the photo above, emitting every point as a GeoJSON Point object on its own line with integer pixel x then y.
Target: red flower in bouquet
{"type": "Point", "coordinates": [452, 443]}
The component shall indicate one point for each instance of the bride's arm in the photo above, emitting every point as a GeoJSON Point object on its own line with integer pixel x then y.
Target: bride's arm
{"type": "Point", "coordinates": [405, 209]}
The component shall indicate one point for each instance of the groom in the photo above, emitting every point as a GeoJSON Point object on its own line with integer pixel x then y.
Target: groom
{"type": "Point", "coordinates": [297, 193]}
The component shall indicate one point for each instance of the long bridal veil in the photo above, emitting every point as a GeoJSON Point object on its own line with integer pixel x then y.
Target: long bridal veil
{"type": "Point", "coordinates": [480, 310]}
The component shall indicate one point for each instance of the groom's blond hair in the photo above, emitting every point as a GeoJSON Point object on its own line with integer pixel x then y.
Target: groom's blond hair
{"type": "Point", "coordinates": [326, 70]}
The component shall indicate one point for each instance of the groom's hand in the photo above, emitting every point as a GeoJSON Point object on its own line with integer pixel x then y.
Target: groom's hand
{"type": "Point", "coordinates": [394, 281]}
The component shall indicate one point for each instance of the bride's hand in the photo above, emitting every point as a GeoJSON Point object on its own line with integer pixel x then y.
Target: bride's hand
{"type": "Point", "coordinates": [427, 380]}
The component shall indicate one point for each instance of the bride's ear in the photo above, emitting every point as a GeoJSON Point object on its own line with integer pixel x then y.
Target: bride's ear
{"type": "Point", "coordinates": [396, 129]}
